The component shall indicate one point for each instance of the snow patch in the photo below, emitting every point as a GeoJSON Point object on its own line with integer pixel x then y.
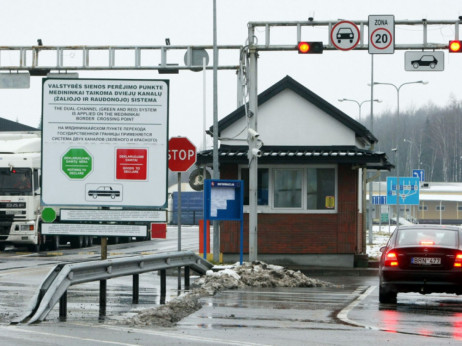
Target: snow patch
{"type": "Point", "coordinates": [255, 274]}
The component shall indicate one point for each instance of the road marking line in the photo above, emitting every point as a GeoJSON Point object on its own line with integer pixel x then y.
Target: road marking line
{"type": "Point", "coordinates": [175, 335]}
{"type": "Point", "coordinates": [55, 253]}
{"type": "Point", "coordinates": [343, 314]}
{"type": "Point", "coordinates": [54, 335]}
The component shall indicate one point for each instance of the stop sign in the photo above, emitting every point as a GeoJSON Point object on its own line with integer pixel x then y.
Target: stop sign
{"type": "Point", "coordinates": [181, 154]}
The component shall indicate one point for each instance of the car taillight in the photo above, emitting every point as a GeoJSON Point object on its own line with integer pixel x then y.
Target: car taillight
{"type": "Point", "coordinates": [427, 242]}
{"type": "Point", "coordinates": [458, 261]}
{"type": "Point", "coordinates": [391, 260]}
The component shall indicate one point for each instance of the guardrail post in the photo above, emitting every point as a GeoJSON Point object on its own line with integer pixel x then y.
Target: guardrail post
{"type": "Point", "coordinates": [103, 283]}
{"type": "Point", "coordinates": [186, 277]}
{"type": "Point", "coordinates": [63, 307]}
{"type": "Point", "coordinates": [136, 288]}
{"type": "Point", "coordinates": [163, 285]}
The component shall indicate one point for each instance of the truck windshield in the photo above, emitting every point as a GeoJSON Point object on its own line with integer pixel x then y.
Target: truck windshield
{"type": "Point", "coordinates": [15, 181]}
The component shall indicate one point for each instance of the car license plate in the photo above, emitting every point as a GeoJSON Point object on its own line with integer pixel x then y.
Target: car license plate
{"type": "Point", "coordinates": [426, 260]}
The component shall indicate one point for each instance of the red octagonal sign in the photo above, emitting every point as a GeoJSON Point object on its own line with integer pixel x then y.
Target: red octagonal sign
{"type": "Point", "coordinates": [181, 154]}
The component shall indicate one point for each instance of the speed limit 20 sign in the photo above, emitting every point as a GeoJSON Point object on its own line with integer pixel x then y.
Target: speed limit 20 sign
{"type": "Point", "coordinates": [382, 34]}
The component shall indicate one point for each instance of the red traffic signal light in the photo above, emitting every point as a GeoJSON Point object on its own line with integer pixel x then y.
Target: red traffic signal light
{"type": "Point", "coordinates": [310, 47]}
{"type": "Point", "coordinates": [455, 46]}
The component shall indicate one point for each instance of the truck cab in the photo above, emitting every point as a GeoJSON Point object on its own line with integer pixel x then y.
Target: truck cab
{"type": "Point", "coordinates": [20, 189]}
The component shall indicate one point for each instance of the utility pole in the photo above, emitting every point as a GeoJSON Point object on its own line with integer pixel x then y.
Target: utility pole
{"type": "Point", "coordinates": [253, 159]}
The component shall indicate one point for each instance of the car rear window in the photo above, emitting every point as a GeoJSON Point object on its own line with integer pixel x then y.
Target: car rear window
{"type": "Point", "coordinates": [436, 237]}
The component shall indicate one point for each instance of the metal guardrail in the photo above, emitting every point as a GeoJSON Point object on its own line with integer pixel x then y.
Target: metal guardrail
{"type": "Point", "coordinates": [54, 287]}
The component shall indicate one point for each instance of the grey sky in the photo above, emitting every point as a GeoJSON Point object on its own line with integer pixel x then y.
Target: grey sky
{"type": "Point", "coordinates": [332, 75]}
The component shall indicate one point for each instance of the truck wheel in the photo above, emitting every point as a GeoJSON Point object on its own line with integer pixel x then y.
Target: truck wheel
{"type": "Point", "coordinates": [34, 248]}
{"type": "Point", "coordinates": [54, 244]}
{"type": "Point", "coordinates": [90, 241]}
{"type": "Point", "coordinates": [76, 242]}
{"type": "Point", "coordinates": [113, 240]}
{"type": "Point", "coordinates": [2, 246]}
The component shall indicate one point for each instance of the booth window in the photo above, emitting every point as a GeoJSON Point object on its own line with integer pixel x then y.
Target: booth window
{"type": "Point", "coordinates": [320, 188]}
{"type": "Point", "coordinates": [262, 191]}
{"type": "Point", "coordinates": [297, 188]}
{"type": "Point", "coordinates": [287, 188]}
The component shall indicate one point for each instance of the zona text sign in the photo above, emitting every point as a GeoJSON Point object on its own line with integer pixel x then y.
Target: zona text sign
{"type": "Point", "coordinates": [381, 34]}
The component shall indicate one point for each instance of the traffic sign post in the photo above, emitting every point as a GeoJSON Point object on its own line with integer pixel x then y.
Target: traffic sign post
{"type": "Point", "coordinates": [419, 173]}
{"type": "Point", "coordinates": [181, 156]}
{"type": "Point", "coordinates": [408, 190]}
{"type": "Point", "coordinates": [345, 35]}
{"type": "Point", "coordinates": [381, 34]}
{"type": "Point", "coordinates": [424, 61]}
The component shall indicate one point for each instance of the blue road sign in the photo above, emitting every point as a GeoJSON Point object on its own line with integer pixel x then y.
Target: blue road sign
{"type": "Point", "coordinates": [419, 173]}
{"type": "Point", "coordinates": [379, 199]}
{"type": "Point", "coordinates": [408, 190]}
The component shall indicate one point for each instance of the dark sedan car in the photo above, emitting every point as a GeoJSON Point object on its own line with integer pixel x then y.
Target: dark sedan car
{"type": "Point", "coordinates": [421, 258]}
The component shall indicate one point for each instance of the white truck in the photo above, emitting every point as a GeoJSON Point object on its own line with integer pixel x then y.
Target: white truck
{"type": "Point", "coordinates": [20, 189]}
{"type": "Point", "coordinates": [20, 203]}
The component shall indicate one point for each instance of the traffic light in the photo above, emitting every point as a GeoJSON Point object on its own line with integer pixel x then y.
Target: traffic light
{"type": "Point", "coordinates": [310, 47]}
{"type": "Point", "coordinates": [455, 46]}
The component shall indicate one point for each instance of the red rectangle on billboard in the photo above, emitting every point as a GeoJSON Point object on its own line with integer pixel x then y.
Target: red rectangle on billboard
{"type": "Point", "coordinates": [131, 164]}
{"type": "Point", "coordinates": [159, 230]}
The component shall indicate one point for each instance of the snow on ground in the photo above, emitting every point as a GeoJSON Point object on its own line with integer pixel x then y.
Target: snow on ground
{"type": "Point", "coordinates": [255, 274]}
{"type": "Point", "coordinates": [380, 236]}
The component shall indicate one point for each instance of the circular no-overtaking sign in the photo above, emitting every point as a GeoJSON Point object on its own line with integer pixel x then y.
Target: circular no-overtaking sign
{"type": "Point", "coordinates": [181, 154]}
{"type": "Point", "coordinates": [345, 35]}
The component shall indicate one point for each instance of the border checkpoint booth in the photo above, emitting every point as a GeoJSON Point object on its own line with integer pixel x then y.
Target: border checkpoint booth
{"type": "Point", "coordinates": [311, 179]}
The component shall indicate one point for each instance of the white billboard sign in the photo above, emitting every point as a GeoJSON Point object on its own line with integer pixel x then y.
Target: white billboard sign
{"type": "Point", "coordinates": [94, 230]}
{"type": "Point", "coordinates": [104, 142]}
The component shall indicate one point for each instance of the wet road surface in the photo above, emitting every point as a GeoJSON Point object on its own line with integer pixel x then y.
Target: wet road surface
{"type": "Point", "coordinates": [346, 315]}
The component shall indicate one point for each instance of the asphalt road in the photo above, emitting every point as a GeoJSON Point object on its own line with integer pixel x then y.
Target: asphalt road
{"type": "Point", "coordinates": [346, 315]}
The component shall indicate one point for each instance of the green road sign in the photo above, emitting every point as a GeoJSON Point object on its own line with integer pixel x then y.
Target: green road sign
{"type": "Point", "coordinates": [77, 163]}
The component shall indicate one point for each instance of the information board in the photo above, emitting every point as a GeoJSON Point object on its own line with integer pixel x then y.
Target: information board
{"type": "Point", "coordinates": [224, 200]}
{"type": "Point", "coordinates": [105, 142]}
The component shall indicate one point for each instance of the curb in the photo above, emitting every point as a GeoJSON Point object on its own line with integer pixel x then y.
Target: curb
{"type": "Point", "coordinates": [330, 271]}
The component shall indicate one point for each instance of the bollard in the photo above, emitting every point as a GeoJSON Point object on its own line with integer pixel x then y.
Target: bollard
{"type": "Point", "coordinates": [186, 277]}
{"type": "Point", "coordinates": [103, 283]}
{"type": "Point", "coordinates": [63, 307]}
{"type": "Point", "coordinates": [163, 285]}
{"type": "Point", "coordinates": [136, 288]}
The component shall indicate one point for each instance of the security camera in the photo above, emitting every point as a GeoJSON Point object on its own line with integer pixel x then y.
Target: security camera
{"type": "Point", "coordinates": [256, 152]}
{"type": "Point", "coordinates": [254, 134]}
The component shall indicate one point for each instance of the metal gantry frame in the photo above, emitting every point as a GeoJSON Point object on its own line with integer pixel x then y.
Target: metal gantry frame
{"type": "Point", "coordinates": [250, 82]}
{"type": "Point", "coordinates": [29, 58]}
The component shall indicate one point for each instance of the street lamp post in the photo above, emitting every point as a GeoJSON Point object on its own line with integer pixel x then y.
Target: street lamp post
{"type": "Point", "coordinates": [409, 160]}
{"type": "Point", "coordinates": [395, 150]}
{"type": "Point", "coordinates": [359, 103]}
{"type": "Point", "coordinates": [398, 89]}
